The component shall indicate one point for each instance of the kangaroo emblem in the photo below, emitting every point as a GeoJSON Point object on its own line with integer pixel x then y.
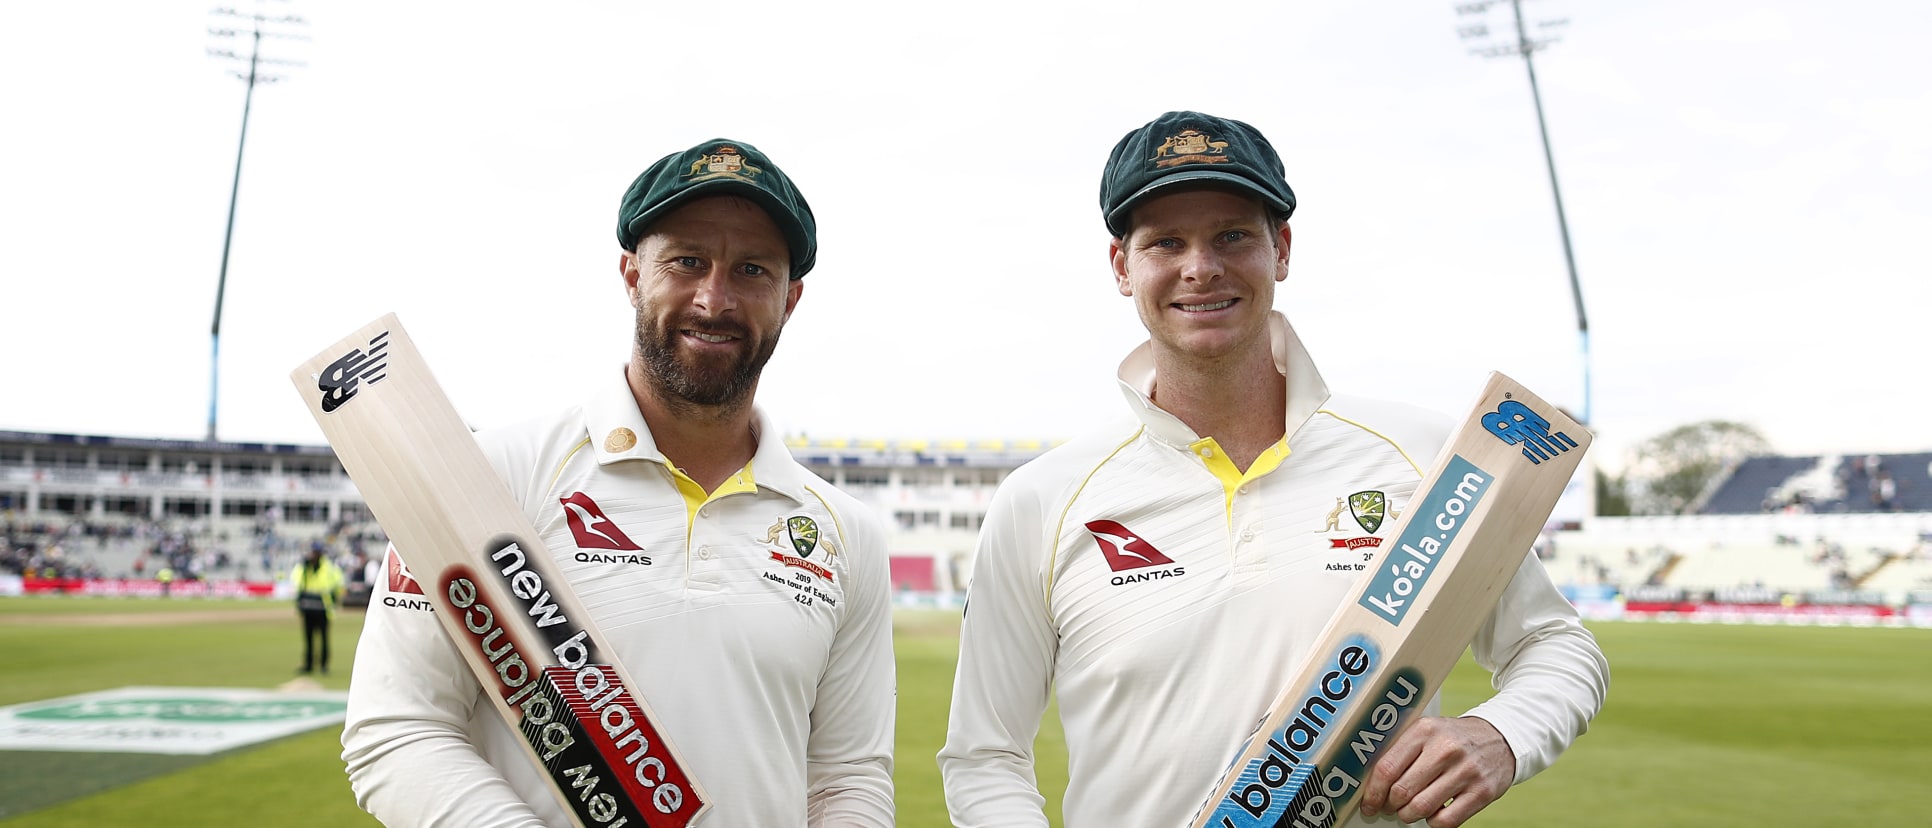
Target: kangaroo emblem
{"type": "Point", "coordinates": [1334, 517]}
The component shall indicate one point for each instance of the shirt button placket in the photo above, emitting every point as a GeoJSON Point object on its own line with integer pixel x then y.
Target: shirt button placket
{"type": "Point", "coordinates": [1249, 553]}
{"type": "Point", "coordinates": [704, 554]}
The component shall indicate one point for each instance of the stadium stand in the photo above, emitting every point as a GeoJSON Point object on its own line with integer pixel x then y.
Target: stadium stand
{"type": "Point", "coordinates": [1828, 483]}
{"type": "Point", "coordinates": [1582, 558]}
{"type": "Point", "coordinates": [257, 505]}
{"type": "Point", "coordinates": [1791, 552]}
{"type": "Point", "coordinates": [1903, 574]}
{"type": "Point", "coordinates": [1761, 482]}
{"type": "Point", "coordinates": [55, 545]}
{"type": "Point", "coordinates": [1789, 529]}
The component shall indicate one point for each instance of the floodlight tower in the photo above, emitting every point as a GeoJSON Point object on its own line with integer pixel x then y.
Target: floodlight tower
{"type": "Point", "coordinates": [1521, 43]}
{"type": "Point", "coordinates": [228, 26]}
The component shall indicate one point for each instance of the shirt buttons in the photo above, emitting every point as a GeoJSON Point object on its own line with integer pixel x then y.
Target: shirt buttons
{"type": "Point", "coordinates": [704, 513]}
{"type": "Point", "coordinates": [1242, 490]}
{"type": "Point", "coordinates": [1247, 535]}
{"type": "Point", "coordinates": [704, 553]}
{"type": "Point", "coordinates": [1207, 452]}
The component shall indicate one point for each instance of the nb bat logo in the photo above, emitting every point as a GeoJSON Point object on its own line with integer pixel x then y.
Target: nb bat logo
{"type": "Point", "coordinates": [1124, 549]}
{"type": "Point", "coordinates": [1514, 423]}
{"type": "Point", "coordinates": [338, 382]}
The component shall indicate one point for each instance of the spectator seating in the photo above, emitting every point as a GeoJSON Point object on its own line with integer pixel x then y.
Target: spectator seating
{"type": "Point", "coordinates": [1911, 572]}
{"type": "Point", "coordinates": [1830, 483]}
{"type": "Point", "coordinates": [1759, 482]}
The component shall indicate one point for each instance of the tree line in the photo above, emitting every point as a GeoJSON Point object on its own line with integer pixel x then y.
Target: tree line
{"type": "Point", "coordinates": [1673, 471]}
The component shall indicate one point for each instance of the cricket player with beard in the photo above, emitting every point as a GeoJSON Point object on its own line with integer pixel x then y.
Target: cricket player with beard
{"type": "Point", "coordinates": [747, 597]}
{"type": "Point", "coordinates": [1166, 577]}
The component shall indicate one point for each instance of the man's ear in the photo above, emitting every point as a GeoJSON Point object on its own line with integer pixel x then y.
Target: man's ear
{"type": "Point", "coordinates": [1281, 252]}
{"type": "Point", "coordinates": [792, 292]}
{"type": "Point", "coordinates": [1117, 255]}
{"type": "Point", "coordinates": [627, 268]}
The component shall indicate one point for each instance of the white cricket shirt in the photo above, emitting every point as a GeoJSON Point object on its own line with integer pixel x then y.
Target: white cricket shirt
{"type": "Point", "coordinates": [772, 673]}
{"type": "Point", "coordinates": [1168, 598]}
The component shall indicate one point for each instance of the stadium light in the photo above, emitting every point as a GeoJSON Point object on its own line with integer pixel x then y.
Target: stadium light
{"type": "Point", "coordinates": [1523, 44]}
{"type": "Point", "coordinates": [233, 25]}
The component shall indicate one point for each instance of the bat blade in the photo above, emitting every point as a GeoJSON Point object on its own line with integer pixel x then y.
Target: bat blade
{"type": "Point", "coordinates": [1388, 648]}
{"type": "Point", "coordinates": [547, 670]}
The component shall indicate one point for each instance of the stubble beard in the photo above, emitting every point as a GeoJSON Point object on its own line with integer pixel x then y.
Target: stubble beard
{"type": "Point", "coordinates": [687, 382]}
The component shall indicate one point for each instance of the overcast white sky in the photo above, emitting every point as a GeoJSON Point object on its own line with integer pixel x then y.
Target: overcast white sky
{"type": "Point", "coordinates": [1745, 184]}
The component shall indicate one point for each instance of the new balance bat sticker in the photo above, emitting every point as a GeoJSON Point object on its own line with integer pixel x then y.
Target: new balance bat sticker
{"type": "Point", "coordinates": [497, 593]}
{"type": "Point", "coordinates": [1388, 649]}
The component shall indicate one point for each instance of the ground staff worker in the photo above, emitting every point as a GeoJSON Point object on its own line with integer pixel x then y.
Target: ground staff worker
{"type": "Point", "coordinates": [318, 591]}
{"type": "Point", "coordinates": [1167, 576]}
{"type": "Point", "coordinates": [746, 596]}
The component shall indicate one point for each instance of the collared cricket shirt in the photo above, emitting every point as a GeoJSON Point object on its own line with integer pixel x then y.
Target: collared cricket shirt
{"type": "Point", "coordinates": [1167, 598]}
{"type": "Point", "coordinates": [754, 620]}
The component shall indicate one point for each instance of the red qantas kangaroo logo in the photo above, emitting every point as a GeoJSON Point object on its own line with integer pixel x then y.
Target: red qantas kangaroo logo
{"type": "Point", "coordinates": [591, 528]}
{"type": "Point", "coordinates": [1124, 549]}
{"type": "Point", "coordinates": [400, 579]}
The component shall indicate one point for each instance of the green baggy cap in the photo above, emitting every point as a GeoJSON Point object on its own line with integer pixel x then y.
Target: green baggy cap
{"type": "Point", "coordinates": [1182, 147]}
{"type": "Point", "coordinates": [720, 167]}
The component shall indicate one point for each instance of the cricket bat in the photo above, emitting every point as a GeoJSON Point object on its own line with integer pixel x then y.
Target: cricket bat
{"type": "Point", "coordinates": [1404, 625]}
{"type": "Point", "coordinates": [497, 593]}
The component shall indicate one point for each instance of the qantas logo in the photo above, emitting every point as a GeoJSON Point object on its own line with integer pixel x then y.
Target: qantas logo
{"type": "Point", "coordinates": [400, 579]}
{"type": "Point", "coordinates": [1124, 549]}
{"type": "Point", "coordinates": [608, 558]}
{"type": "Point", "coordinates": [591, 529]}
{"type": "Point", "coordinates": [404, 592]}
{"type": "Point", "coordinates": [1127, 551]}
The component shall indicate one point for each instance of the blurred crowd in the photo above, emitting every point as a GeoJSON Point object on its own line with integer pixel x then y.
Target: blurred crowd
{"type": "Point", "coordinates": [177, 550]}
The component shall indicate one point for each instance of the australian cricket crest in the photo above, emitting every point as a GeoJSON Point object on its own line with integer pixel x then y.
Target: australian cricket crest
{"type": "Point", "coordinates": [801, 534]}
{"type": "Point", "coordinates": [1369, 508]}
{"type": "Point", "coordinates": [1190, 146]}
{"type": "Point", "coordinates": [722, 160]}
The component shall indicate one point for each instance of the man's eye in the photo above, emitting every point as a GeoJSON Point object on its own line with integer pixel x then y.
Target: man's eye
{"type": "Point", "coordinates": [754, 270]}
{"type": "Point", "coordinates": [687, 261]}
{"type": "Point", "coordinates": [1234, 235]}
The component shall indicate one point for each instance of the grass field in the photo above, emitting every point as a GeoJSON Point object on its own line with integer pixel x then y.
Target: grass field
{"type": "Point", "coordinates": [1706, 725]}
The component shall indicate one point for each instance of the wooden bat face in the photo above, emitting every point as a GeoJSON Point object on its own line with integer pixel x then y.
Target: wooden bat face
{"type": "Point", "coordinates": [1386, 651]}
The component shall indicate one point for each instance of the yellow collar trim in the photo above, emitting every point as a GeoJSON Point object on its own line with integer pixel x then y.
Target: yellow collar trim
{"type": "Point", "coordinates": [1232, 479]}
{"type": "Point", "coordinates": [695, 497]}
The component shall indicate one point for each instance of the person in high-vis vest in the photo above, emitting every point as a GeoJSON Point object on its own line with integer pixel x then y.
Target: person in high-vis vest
{"type": "Point", "coordinates": [318, 591]}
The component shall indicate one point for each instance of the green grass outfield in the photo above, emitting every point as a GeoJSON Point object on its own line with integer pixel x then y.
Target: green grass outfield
{"type": "Point", "coordinates": [1706, 725]}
